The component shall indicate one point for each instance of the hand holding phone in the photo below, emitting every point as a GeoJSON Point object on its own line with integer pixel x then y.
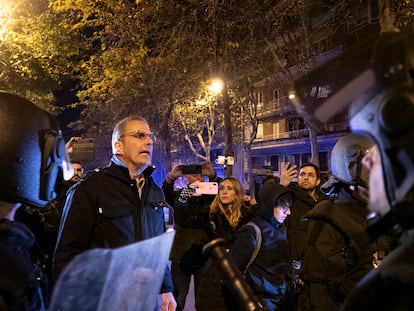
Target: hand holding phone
{"type": "Point", "coordinates": [287, 173]}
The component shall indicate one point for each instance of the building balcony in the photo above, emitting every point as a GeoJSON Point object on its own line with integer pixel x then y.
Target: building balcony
{"type": "Point", "coordinates": [298, 140]}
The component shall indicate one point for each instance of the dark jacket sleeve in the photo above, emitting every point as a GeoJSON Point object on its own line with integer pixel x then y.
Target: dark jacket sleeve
{"type": "Point", "coordinates": [243, 246]}
{"type": "Point", "coordinates": [76, 229]}
{"type": "Point", "coordinates": [155, 225]}
{"type": "Point", "coordinates": [194, 213]}
{"type": "Point", "coordinates": [169, 193]}
{"type": "Point", "coordinates": [167, 283]}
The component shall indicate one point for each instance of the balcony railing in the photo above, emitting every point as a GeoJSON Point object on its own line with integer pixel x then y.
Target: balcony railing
{"type": "Point", "coordinates": [331, 128]}
{"type": "Point", "coordinates": [284, 135]}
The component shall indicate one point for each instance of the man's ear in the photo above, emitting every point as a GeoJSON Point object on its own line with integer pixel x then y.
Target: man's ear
{"type": "Point", "coordinates": [318, 182]}
{"type": "Point", "coordinates": [119, 147]}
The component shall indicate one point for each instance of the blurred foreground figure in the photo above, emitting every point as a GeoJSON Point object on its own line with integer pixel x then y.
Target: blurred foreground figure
{"type": "Point", "coordinates": [33, 155]}
{"type": "Point", "coordinates": [337, 253]}
{"type": "Point", "coordinates": [375, 85]}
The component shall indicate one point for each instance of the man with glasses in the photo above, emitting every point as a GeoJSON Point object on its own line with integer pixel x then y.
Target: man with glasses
{"type": "Point", "coordinates": [118, 205]}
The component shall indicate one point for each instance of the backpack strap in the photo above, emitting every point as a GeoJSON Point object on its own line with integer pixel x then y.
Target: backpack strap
{"type": "Point", "coordinates": [257, 246]}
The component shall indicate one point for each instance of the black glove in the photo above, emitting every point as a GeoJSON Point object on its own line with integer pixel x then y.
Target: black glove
{"type": "Point", "coordinates": [185, 194]}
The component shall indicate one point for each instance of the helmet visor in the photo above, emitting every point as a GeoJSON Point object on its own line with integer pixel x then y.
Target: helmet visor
{"type": "Point", "coordinates": [330, 89]}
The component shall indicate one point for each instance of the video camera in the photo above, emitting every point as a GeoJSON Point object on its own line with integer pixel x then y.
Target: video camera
{"type": "Point", "coordinates": [191, 169]}
{"type": "Point", "coordinates": [82, 149]}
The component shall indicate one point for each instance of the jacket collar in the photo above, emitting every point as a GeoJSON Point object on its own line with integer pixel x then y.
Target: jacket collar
{"type": "Point", "coordinates": [123, 169]}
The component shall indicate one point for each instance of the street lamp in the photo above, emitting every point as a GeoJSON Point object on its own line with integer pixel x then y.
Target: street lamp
{"type": "Point", "coordinates": [5, 20]}
{"type": "Point", "coordinates": [216, 86]}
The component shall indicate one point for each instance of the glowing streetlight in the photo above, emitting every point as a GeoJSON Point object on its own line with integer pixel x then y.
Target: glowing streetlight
{"type": "Point", "coordinates": [216, 86]}
{"type": "Point", "coordinates": [5, 20]}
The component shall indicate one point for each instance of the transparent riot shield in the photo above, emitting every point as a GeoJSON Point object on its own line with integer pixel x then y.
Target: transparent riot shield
{"type": "Point", "coordinates": [126, 278]}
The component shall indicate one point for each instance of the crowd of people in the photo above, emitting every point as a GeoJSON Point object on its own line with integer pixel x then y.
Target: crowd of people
{"type": "Point", "coordinates": [303, 245]}
{"type": "Point", "coordinates": [312, 249]}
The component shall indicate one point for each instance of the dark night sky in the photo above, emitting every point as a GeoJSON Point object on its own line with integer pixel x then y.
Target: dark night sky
{"type": "Point", "coordinates": [66, 96]}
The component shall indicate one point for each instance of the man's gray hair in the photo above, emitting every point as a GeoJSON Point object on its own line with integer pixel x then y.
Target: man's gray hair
{"type": "Point", "coordinates": [119, 129]}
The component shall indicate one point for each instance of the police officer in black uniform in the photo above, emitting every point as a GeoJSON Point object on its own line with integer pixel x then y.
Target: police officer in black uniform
{"type": "Point", "coordinates": [33, 156]}
{"type": "Point", "coordinates": [375, 84]}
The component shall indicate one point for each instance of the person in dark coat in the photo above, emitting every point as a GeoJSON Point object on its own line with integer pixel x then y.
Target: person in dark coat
{"type": "Point", "coordinates": [228, 212]}
{"type": "Point", "coordinates": [307, 193]}
{"type": "Point", "coordinates": [118, 205]}
{"type": "Point", "coordinates": [266, 275]}
{"type": "Point", "coordinates": [376, 89]}
{"type": "Point", "coordinates": [44, 222]}
{"type": "Point", "coordinates": [33, 156]}
{"type": "Point", "coordinates": [190, 220]}
{"type": "Point", "coordinates": [338, 251]}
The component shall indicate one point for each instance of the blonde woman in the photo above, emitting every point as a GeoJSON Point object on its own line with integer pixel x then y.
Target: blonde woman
{"type": "Point", "coordinates": [228, 211]}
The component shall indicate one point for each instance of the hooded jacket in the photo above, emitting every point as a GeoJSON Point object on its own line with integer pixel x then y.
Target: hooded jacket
{"type": "Point", "coordinates": [266, 275]}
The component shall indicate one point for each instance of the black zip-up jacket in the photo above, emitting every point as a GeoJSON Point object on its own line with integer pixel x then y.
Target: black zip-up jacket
{"type": "Point", "coordinates": [296, 227]}
{"type": "Point", "coordinates": [105, 211]}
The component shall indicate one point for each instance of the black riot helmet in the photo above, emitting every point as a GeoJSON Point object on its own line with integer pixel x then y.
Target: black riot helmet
{"type": "Point", "coordinates": [33, 152]}
{"type": "Point", "coordinates": [346, 158]}
{"type": "Point", "coordinates": [374, 83]}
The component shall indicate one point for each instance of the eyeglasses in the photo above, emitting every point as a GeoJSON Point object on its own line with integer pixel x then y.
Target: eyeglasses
{"type": "Point", "coordinates": [141, 135]}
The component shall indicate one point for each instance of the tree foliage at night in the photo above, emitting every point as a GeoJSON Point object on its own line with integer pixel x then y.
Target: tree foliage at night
{"type": "Point", "coordinates": [149, 55]}
{"type": "Point", "coordinates": [154, 57]}
{"type": "Point", "coordinates": [37, 52]}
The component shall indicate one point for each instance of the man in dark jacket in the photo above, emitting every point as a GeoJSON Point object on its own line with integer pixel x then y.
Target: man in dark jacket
{"type": "Point", "coordinates": [266, 275]}
{"type": "Point", "coordinates": [306, 193]}
{"type": "Point", "coordinates": [119, 205]}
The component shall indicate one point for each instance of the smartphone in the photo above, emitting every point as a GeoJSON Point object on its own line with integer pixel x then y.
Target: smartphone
{"type": "Point", "coordinates": [191, 169]}
{"type": "Point", "coordinates": [291, 159]}
{"type": "Point", "coordinates": [209, 187]}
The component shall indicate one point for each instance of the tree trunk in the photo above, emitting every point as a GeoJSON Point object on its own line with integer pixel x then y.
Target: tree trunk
{"type": "Point", "coordinates": [228, 136]}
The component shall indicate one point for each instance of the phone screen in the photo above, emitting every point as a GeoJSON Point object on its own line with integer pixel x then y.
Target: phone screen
{"type": "Point", "coordinates": [207, 188]}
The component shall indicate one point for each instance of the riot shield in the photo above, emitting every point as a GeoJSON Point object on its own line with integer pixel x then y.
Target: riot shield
{"type": "Point", "coordinates": [126, 278]}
